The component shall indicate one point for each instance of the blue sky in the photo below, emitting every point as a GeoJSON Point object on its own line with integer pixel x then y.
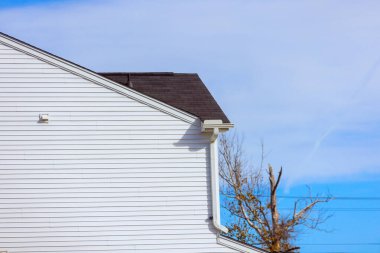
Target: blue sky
{"type": "Point", "coordinates": [301, 76]}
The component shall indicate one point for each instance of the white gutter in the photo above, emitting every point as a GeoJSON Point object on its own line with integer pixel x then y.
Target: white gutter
{"type": "Point", "coordinates": [212, 128]}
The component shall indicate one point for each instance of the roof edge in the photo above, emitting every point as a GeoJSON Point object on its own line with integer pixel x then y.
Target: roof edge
{"type": "Point", "coordinates": [144, 73]}
{"type": "Point", "coordinates": [96, 78]}
{"type": "Point", "coordinates": [239, 246]}
{"type": "Point", "coordinates": [138, 73]}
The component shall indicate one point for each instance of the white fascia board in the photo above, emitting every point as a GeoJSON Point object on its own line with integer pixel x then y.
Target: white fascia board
{"type": "Point", "coordinates": [241, 247]}
{"type": "Point", "coordinates": [97, 79]}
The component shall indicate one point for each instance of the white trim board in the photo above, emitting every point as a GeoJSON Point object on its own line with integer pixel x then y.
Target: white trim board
{"type": "Point", "coordinates": [241, 247]}
{"type": "Point", "coordinates": [96, 78]}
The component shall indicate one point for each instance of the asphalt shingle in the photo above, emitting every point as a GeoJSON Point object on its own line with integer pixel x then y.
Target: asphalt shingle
{"type": "Point", "coordinates": [183, 91]}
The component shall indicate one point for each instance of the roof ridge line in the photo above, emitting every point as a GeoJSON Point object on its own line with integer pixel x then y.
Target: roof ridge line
{"type": "Point", "coordinates": [143, 73]}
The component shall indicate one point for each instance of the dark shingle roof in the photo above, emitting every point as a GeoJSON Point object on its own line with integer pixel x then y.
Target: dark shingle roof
{"type": "Point", "coordinates": [183, 91]}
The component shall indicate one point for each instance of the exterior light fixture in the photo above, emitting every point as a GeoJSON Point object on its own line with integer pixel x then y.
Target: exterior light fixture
{"type": "Point", "coordinates": [44, 118]}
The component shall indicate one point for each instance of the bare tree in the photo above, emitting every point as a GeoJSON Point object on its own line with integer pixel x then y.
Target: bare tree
{"type": "Point", "coordinates": [252, 202]}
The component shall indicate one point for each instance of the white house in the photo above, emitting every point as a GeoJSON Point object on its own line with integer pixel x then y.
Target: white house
{"type": "Point", "coordinates": [106, 162]}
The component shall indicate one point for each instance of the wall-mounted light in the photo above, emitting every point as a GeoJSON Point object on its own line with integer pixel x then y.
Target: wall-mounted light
{"type": "Point", "coordinates": [44, 118]}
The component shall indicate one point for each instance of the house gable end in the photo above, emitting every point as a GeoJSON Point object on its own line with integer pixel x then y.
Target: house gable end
{"type": "Point", "coordinates": [190, 156]}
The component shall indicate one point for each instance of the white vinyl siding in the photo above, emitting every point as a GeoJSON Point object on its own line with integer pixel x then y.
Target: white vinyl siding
{"type": "Point", "coordinates": [106, 174]}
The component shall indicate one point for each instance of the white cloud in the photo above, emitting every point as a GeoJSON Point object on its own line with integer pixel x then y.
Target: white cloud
{"type": "Point", "coordinates": [301, 75]}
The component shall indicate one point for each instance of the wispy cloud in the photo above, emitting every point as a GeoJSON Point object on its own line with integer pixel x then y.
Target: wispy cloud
{"type": "Point", "coordinates": [345, 110]}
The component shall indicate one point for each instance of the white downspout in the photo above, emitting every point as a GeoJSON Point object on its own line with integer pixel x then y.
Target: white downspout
{"type": "Point", "coordinates": [214, 164]}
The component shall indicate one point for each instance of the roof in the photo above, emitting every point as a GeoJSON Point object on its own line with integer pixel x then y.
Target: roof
{"type": "Point", "coordinates": [183, 91]}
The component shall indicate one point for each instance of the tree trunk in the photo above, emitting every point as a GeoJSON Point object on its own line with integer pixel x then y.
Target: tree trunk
{"type": "Point", "coordinates": [276, 243]}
